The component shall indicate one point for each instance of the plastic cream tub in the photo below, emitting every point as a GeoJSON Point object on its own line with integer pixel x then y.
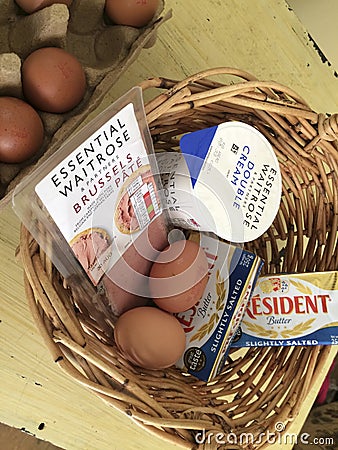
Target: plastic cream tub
{"type": "Point", "coordinates": [226, 181]}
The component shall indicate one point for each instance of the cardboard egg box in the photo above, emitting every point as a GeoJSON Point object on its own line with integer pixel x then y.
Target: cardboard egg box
{"type": "Point", "coordinates": [104, 49]}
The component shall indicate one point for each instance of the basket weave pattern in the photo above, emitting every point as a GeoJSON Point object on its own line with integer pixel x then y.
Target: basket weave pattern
{"type": "Point", "coordinates": [258, 386]}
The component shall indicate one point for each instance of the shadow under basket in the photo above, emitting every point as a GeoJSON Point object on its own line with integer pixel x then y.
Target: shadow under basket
{"type": "Point", "coordinates": [258, 387]}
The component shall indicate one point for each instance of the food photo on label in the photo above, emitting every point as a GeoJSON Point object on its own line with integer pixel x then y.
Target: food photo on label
{"type": "Point", "coordinates": [53, 80]}
{"type": "Point", "coordinates": [21, 130]}
{"type": "Point", "coordinates": [31, 6]}
{"type": "Point", "coordinates": [137, 201]}
{"type": "Point", "coordinates": [133, 13]}
{"type": "Point", "coordinates": [149, 337]}
{"type": "Point", "coordinates": [89, 246]}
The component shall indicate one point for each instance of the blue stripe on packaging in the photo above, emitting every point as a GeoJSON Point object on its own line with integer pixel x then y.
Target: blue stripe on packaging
{"type": "Point", "coordinates": [195, 147]}
{"type": "Point", "coordinates": [324, 336]}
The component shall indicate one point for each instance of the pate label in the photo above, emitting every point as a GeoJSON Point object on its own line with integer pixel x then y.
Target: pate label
{"type": "Point", "coordinates": [103, 194]}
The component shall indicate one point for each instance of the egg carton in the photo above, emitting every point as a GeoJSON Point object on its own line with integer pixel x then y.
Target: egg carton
{"type": "Point", "coordinates": [104, 49]}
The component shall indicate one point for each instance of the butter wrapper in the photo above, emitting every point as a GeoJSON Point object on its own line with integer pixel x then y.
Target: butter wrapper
{"type": "Point", "coordinates": [289, 310]}
{"type": "Point", "coordinates": [213, 321]}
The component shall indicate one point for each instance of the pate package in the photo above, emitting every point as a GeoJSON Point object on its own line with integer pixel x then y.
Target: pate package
{"type": "Point", "coordinates": [97, 194]}
{"type": "Point", "coordinates": [291, 309]}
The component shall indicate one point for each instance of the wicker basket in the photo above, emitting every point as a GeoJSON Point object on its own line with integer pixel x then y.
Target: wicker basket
{"type": "Point", "coordinates": [258, 387]}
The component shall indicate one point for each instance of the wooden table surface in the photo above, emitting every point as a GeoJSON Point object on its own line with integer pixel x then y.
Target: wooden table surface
{"type": "Point", "coordinates": [263, 37]}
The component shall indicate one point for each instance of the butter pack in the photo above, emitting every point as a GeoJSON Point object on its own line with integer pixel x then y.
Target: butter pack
{"type": "Point", "coordinates": [212, 322]}
{"type": "Point", "coordinates": [292, 309]}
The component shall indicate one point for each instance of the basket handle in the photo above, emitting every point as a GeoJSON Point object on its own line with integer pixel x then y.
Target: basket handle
{"type": "Point", "coordinates": [328, 127]}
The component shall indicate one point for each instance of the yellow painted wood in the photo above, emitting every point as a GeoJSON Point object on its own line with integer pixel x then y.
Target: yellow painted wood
{"type": "Point", "coordinates": [261, 36]}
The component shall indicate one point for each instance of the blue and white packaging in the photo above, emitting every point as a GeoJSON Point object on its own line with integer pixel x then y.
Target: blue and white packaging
{"type": "Point", "coordinates": [290, 310]}
{"type": "Point", "coordinates": [226, 180]}
{"type": "Point", "coordinates": [210, 325]}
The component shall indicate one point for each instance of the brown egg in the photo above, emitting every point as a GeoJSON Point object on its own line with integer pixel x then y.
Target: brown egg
{"type": "Point", "coordinates": [30, 6]}
{"type": "Point", "coordinates": [134, 13]}
{"type": "Point", "coordinates": [179, 276]}
{"type": "Point", "coordinates": [53, 80]}
{"type": "Point", "coordinates": [21, 130]}
{"type": "Point", "coordinates": [149, 337]}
